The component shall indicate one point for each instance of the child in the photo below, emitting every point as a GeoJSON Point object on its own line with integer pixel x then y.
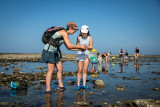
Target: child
{"type": "Point", "coordinates": [82, 59]}
{"type": "Point", "coordinates": [93, 67]}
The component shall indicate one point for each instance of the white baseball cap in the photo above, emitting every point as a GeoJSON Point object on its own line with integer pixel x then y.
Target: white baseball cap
{"type": "Point", "coordinates": [84, 29]}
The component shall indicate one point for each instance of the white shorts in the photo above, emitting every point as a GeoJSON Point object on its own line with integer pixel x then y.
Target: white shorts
{"type": "Point", "coordinates": [81, 57]}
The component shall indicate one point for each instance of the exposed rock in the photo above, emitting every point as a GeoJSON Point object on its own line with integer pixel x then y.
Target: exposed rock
{"type": "Point", "coordinates": [70, 82]}
{"type": "Point", "coordinates": [4, 103]}
{"type": "Point", "coordinates": [37, 67]}
{"type": "Point", "coordinates": [42, 81]}
{"type": "Point", "coordinates": [82, 103]}
{"type": "Point", "coordinates": [38, 87]}
{"type": "Point", "coordinates": [17, 69]}
{"type": "Point", "coordinates": [6, 69]}
{"type": "Point", "coordinates": [2, 74]}
{"type": "Point", "coordinates": [91, 93]}
{"type": "Point", "coordinates": [120, 89]}
{"type": "Point", "coordinates": [155, 89]}
{"type": "Point", "coordinates": [99, 83]}
{"type": "Point", "coordinates": [147, 103]}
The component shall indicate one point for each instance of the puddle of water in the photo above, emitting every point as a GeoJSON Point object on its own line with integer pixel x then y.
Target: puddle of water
{"type": "Point", "coordinates": [117, 74]}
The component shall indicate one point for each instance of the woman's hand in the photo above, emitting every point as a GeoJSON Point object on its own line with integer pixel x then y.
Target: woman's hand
{"type": "Point", "coordinates": [83, 47]}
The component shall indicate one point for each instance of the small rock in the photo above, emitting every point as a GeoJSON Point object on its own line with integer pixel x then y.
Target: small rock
{"type": "Point", "coordinates": [120, 86]}
{"type": "Point", "coordinates": [6, 68]}
{"type": "Point", "coordinates": [134, 76]}
{"type": "Point", "coordinates": [2, 74]}
{"type": "Point", "coordinates": [70, 82]}
{"type": "Point", "coordinates": [42, 81]}
{"type": "Point", "coordinates": [99, 83]}
{"type": "Point", "coordinates": [17, 69]}
{"type": "Point", "coordinates": [144, 81]}
{"type": "Point", "coordinates": [37, 67]}
{"type": "Point", "coordinates": [120, 89]}
{"type": "Point", "coordinates": [155, 89]}
{"type": "Point", "coordinates": [156, 78]}
{"type": "Point", "coordinates": [105, 103]}
{"type": "Point", "coordinates": [4, 103]}
{"type": "Point", "coordinates": [91, 93]}
{"type": "Point", "coordinates": [38, 87]}
{"type": "Point", "coordinates": [112, 74]}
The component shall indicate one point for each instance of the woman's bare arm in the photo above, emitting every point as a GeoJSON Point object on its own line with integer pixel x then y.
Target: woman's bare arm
{"type": "Point", "coordinates": [67, 41]}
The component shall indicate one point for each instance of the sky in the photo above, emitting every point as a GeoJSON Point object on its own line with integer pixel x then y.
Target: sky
{"type": "Point", "coordinates": [113, 24]}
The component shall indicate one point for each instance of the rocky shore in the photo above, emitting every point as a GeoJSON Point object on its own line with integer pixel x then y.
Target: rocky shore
{"type": "Point", "coordinates": [16, 57]}
{"type": "Point", "coordinates": [40, 76]}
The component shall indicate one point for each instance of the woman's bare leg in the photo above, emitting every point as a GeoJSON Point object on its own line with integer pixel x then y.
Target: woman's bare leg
{"type": "Point", "coordinates": [59, 73]}
{"type": "Point", "coordinates": [51, 68]}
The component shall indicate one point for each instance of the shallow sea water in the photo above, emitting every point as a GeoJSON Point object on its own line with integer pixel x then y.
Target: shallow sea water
{"type": "Point", "coordinates": [133, 89]}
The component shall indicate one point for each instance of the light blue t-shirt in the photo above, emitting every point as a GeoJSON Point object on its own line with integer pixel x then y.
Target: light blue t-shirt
{"type": "Point", "coordinates": [53, 48]}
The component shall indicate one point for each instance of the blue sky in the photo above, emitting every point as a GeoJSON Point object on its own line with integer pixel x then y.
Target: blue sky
{"type": "Point", "coordinates": [113, 24]}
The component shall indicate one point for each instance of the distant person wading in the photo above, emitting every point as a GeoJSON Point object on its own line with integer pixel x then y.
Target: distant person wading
{"type": "Point", "coordinates": [51, 57]}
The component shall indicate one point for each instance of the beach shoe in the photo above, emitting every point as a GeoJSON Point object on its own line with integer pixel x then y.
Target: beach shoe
{"type": "Point", "coordinates": [85, 87]}
{"type": "Point", "coordinates": [61, 89]}
{"type": "Point", "coordinates": [78, 88]}
{"type": "Point", "coordinates": [49, 92]}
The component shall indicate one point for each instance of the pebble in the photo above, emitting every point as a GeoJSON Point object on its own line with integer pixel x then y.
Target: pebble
{"type": "Point", "coordinates": [155, 89]}
{"type": "Point", "coordinates": [91, 93]}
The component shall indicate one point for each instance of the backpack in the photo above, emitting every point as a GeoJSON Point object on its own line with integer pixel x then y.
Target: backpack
{"type": "Point", "coordinates": [47, 37]}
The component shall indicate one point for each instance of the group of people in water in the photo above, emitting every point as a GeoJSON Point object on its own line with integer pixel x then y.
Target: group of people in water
{"type": "Point", "coordinates": [125, 55]}
{"type": "Point", "coordinates": [84, 47]}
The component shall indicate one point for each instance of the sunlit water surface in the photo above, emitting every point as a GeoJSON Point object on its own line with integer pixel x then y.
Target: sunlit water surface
{"type": "Point", "coordinates": [133, 89]}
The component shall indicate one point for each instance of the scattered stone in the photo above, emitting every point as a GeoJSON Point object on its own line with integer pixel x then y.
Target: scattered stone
{"type": "Point", "coordinates": [116, 77]}
{"type": "Point", "coordinates": [99, 83]}
{"type": "Point", "coordinates": [70, 82]}
{"type": "Point", "coordinates": [144, 81]}
{"type": "Point", "coordinates": [91, 93]}
{"type": "Point", "coordinates": [4, 103]}
{"type": "Point", "coordinates": [120, 86]}
{"type": "Point", "coordinates": [155, 89]}
{"type": "Point", "coordinates": [15, 63]}
{"type": "Point", "coordinates": [12, 66]}
{"type": "Point", "coordinates": [82, 103]}
{"type": "Point", "coordinates": [156, 78]}
{"type": "Point", "coordinates": [112, 74]}
{"type": "Point", "coordinates": [39, 87]}
{"type": "Point", "coordinates": [118, 103]}
{"type": "Point", "coordinates": [42, 81]}
{"type": "Point", "coordinates": [147, 103]}
{"type": "Point", "coordinates": [37, 67]}
{"type": "Point", "coordinates": [6, 69]}
{"type": "Point", "coordinates": [134, 76]}
{"type": "Point", "coordinates": [105, 103]}
{"type": "Point", "coordinates": [2, 74]}
{"type": "Point", "coordinates": [17, 69]}
{"type": "Point", "coordinates": [120, 89]}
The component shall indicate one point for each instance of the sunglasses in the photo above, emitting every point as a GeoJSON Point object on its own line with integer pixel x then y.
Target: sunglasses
{"type": "Point", "coordinates": [74, 28]}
